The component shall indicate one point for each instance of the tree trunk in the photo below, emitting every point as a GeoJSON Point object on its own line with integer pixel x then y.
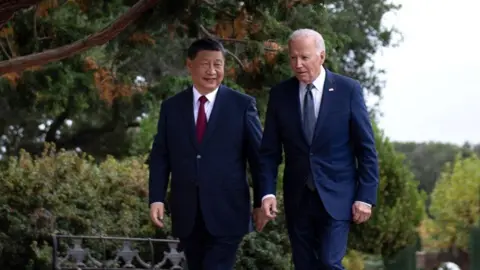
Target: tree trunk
{"type": "Point", "coordinates": [20, 63]}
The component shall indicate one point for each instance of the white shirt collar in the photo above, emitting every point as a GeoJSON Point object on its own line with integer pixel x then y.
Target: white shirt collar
{"type": "Point", "coordinates": [210, 96]}
{"type": "Point", "coordinates": [319, 82]}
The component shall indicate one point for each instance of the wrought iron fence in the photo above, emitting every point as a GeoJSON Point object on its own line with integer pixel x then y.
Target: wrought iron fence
{"type": "Point", "coordinates": [73, 252]}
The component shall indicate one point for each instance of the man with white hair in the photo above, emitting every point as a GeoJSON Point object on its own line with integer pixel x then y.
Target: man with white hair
{"type": "Point", "coordinates": [320, 120]}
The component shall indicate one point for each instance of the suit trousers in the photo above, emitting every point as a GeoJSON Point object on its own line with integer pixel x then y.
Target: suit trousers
{"type": "Point", "coordinates": [205, 251]}
{"type": "Point", "coordinates": [318, 241]}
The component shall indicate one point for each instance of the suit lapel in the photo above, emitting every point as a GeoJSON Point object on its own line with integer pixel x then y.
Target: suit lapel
{"type": "Point", "coordinates": [217, 110]}
{"type": "Point", "coordinates": [326, 103]}
{"type": "Point", "coordinates": [189, 117]}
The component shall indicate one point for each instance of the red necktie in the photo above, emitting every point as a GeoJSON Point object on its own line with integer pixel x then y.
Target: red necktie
{"type": "Point", "coordinates": [201, 119]}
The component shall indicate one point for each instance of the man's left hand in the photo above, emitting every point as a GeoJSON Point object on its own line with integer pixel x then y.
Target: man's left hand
{"type": "Point", "coordinates": [361, 212]}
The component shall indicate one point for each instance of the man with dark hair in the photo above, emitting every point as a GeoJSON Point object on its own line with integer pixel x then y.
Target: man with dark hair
{"type": "Point", "coordinates": [206, 134]}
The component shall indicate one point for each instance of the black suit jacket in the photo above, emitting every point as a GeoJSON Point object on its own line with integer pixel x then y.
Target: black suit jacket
{"type": "Point", "coordinates": [212, 173]}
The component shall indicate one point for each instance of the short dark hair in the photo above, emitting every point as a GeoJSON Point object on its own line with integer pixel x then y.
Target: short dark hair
{"type": "Point", "coordinates": [204, 44]}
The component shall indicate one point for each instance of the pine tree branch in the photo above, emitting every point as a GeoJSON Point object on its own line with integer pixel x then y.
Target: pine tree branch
{"type": "Point", "coordinates": [108, 33]}
{"type": "Point", "coordinates": [210, 35]}
{"type": "Point", "coordinates": [9, 7]}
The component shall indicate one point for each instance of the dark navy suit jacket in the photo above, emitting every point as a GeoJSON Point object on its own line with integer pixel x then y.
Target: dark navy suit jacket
{"type": "Point", "coordinates": [342, 157]}
{"type": "Point", "coordinates": [212, 173]}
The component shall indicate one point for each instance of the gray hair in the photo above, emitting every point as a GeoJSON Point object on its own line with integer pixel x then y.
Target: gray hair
{"type": "Point", "coordinates": [309, 33]}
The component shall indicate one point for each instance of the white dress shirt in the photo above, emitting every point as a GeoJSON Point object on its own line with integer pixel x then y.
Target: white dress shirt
{"type": "Point", "coordinates": [317, 92]}
{"type": "Point", "coordinates": [208, 105]}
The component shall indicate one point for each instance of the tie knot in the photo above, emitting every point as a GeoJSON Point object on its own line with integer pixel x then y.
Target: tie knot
{"type": "Point", "coordinates": [203, 99]}
{"type": "Point", "coordinates": [309, 87]}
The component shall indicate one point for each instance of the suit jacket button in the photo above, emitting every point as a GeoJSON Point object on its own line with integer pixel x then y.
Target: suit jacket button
{"type": "Point", "coordinates": [199, 157]}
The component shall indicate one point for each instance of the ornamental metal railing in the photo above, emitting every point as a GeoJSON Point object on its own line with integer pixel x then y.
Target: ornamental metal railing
{"type": "Point", "coordinates": [76, 252]}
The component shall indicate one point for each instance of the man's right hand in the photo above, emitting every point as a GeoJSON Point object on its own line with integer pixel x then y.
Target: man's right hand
{"type": "Point", "coordinates": [259, 219]}
{"type": "Point", "coordinates": [156, 213]}
{"type": "Point", "coordinates": [269, 207]}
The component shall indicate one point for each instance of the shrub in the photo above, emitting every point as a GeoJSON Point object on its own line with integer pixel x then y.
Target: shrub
{"type": "Point", "coordinates": [354, 261]}
{"type": "Point", "coordinates": [455, 206]}
{"type": "Point", "coordinates": [67, 193]}
{"type": "Point", "coordinates": [399, 210]}
{"type": "Point", "coordinates": [268, 250]}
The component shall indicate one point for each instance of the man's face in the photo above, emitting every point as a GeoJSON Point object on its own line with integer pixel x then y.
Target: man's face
{"type": "Point", "coordinates": [207, 70]}
{"type": "Point", "coordinates": [304, 59]}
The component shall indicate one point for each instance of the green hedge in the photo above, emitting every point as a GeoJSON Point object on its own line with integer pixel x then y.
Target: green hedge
{"type": "Point", "coordinates": [69, 194]}
{"type": "Point", "coordinates": [400, 207]}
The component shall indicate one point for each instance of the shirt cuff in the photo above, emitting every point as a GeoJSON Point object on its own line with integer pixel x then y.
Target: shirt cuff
{"type": "Point", "coordinates": [268, 196]}
{"type": "Point", "coordinates": [155, 203]}
{"type": "Point", "coordinates": [367, 204]}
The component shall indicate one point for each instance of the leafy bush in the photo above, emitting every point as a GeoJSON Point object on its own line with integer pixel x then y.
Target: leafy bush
{"type": "Point", "coordinates": [455, 206]}
{"type": "Point", "coordinates": [67, 193]}
{"type": "Point", "coordinates": [400, 206]}
{"type": "Point", "coordinates": [268, 250]}
{"type": "Point", "coordinates": [354, 261]}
